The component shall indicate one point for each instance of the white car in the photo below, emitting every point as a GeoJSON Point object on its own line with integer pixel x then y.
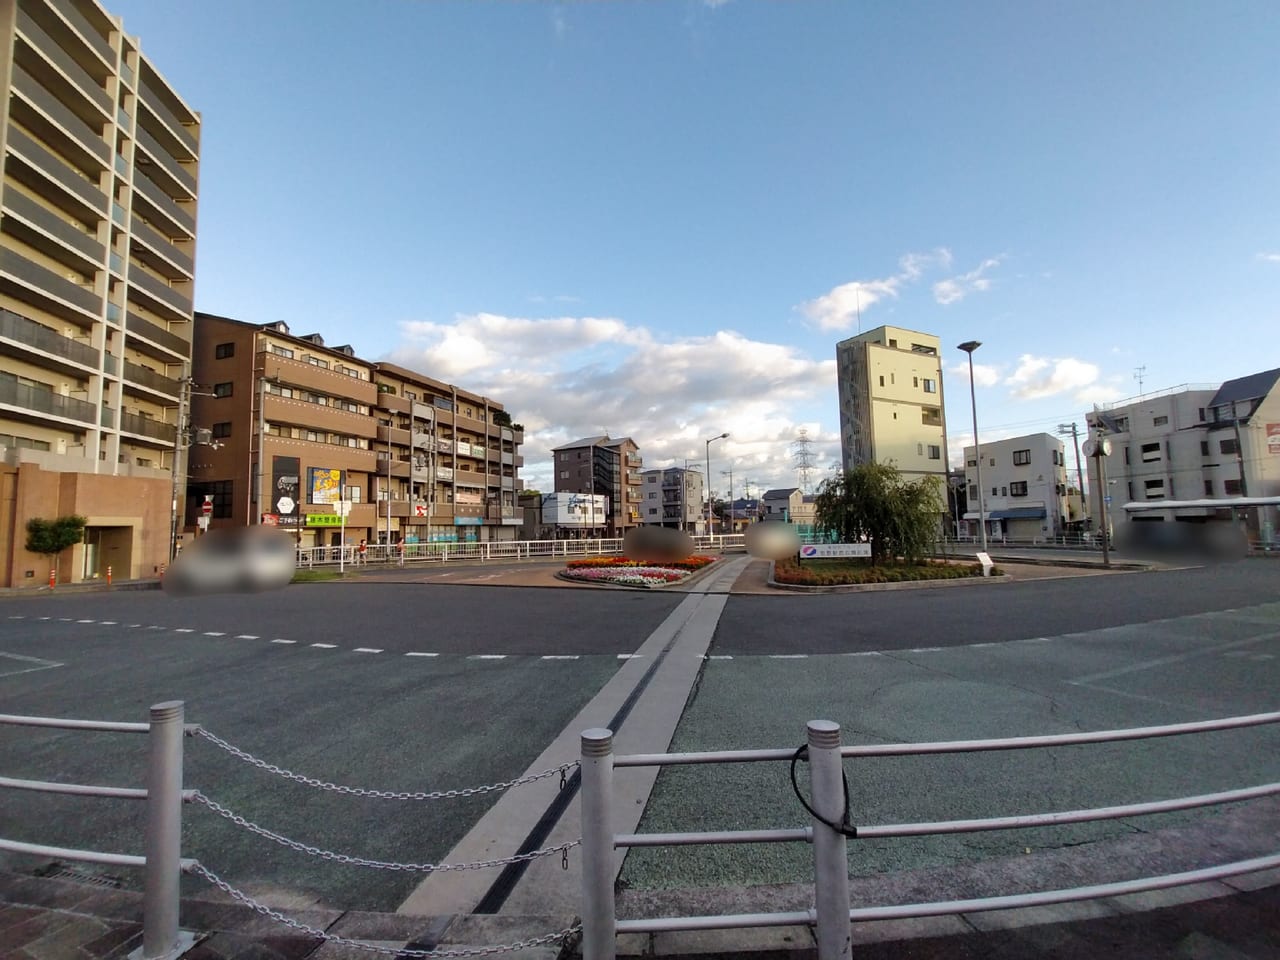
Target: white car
{"type": "Point", "coordinates": [233, 560]}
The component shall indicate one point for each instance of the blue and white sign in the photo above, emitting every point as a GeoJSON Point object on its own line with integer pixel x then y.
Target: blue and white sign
{"type": "Point", "coordinates": [817, 551]}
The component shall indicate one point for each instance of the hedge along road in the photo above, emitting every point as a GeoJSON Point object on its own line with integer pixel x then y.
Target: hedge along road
{"type": "Point", "coordinates": [329, 681]}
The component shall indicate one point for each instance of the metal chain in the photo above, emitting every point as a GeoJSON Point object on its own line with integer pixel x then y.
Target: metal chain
{"type": "Point", "coordinates": [384, 794]}
{"type": "Point", "coordinates": [560, 848]}
{"type": "Point", "coordinates": [264, 910]}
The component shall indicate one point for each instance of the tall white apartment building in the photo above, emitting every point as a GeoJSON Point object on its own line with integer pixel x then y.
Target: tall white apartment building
{"type": "Point", "coordinates": [1024, 487]}
{"type": "Point", "coordinates": [891, 409]}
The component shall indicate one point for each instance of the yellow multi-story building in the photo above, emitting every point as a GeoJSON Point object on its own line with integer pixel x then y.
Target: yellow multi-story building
{"type": "Point", "coordinates": [97, 253]}
{"type": "Point", "coordinates": [891, 411]}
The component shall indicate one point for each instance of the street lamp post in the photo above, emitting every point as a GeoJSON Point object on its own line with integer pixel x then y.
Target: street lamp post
{"type": "Point", "coordinates": [710, 524]}
{"type": "Point", "coordinates": [968, 347]}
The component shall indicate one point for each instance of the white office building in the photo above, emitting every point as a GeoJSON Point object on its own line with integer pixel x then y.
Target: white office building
{"type": "Point", "coordinates": [1024, 488]}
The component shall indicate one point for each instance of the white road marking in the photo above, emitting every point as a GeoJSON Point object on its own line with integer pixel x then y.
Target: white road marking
{"type": "Point", "coordinates": [720, 656]}
{"type": "Point", "coordinates": [154, 627]}
{"type": "Point", "coordinates": [788, 656]}
{"type": "Point", "coordinates": [487, 656]}
{"type": "Point", "coordinates": [628, 656]}
{"type": "Point", "coordinates": [246, 636]}
{"type": "Point", "coordinates": [1166, 661]}
{"type": "Point", "coordinates": [368, 650]}
{"type": "Point", "coordinates": [278, 640]}
{"type": "Point", "coordinates": [414, 653]}
{"type": "Point", "coordinates": [1036, 640]}
{"type": "Point", "coordinates": [924, 650]}
{"type": "Point", "coordinates": [41, 664]}
{"type": "Point", "coordinates": [108, 623]}
{"type": "Point", "coordinates": [865, 653]}
{"type": "Point", "coordinates": [21, 616]}
{"type": "Point", "coordinates": [325, 646]}
{"type": "Point", "coordinates": [1263, 656]}
{"type": "Point", "coordinates": [66, 619]}
{"type": "Point", "coordinates": [213, 633]}
{"type": "Point", "coordinates": [561, 657]}
{"type": "Point", "coordinates": [44, 618]}
{"type": "Point", "coordinates": [183, 630]}
{"type": "Point", "coordinates": [85, 621]}
{"type": "Point", "coordinates": [135, 624]}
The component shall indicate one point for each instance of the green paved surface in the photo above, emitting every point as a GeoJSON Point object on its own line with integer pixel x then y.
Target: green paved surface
{"type": "Point", "coordinates": [1170, 671]}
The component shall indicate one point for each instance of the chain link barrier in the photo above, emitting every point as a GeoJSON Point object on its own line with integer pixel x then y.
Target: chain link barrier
{"type": "Point", "coordinates": [249, 758]}
{"type": "Point", "coordinates": [262, 909]}
{"type": "Point", "coordinates": [560, 848]}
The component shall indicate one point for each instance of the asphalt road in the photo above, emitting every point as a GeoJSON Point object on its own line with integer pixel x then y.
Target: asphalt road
{"type": "Point", "coordinates": [430, 686]}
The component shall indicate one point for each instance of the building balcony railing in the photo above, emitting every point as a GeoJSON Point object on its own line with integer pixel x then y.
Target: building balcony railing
{"type": "Point", "coordinates": [60, 116]}
{"type": "Point", "coordinates": [162, 247]}
{"type": "Point", "coordinates": [43, 400]}
{"type": "Point", "coordinates": [149, 191]}
{"type": "Point", "coordinates": [148, 98]}
{"type": "Point", "coordinates": [158, 382]}
{"type": "Point", "coordinates": [40, 218]}
{"type": "Point", "coordinates": [28, 333]}
{"type": "Point", "coordinates": [88, 35]}
{"type": "Point", "coordinates": [50, 49]}
{"type": "Point", "coordinates": [49, 169]}
{"type": "Point", "coordinates": [147, 427]}
{"type": "Point", "coordinates": [165, 161]}
{"type": "Point", "coordinates": [138, 327]}
{"type": "Point", "coordinates": [51, 286]}
{"type": "Point", "coordinates": [160, 291]}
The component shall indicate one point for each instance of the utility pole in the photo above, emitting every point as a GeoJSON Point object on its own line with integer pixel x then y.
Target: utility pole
{"type": "Point", "coordinates": [1100, 448]}
{"type": "Point", "coordinates": [729, 473]}
{"type": "Point", "coordinates": [178, 462]}
{"type": "Point", "coordinates": [1070, 428]}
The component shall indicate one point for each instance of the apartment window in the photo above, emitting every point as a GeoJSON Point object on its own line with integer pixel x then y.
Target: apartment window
{"type": "Point", "coordinates": [1126, 456]}
{"type": "Point", "coordinates": [1021, 458]}
{"type": "Point", "coordinates": [220, 490]}
{"type": "Point", "coordinates": [1204, 448]}
{"type": "Point", "coordinates": [1160, 422]}
{"type": "Point", "coordinates": [1201, 414]}
{"type": "Point", "coordinates": [224, 350]}
{"type": "Point", "coordinates": [995, 491]}
{"type": "Point", "coordinates": [1231, 487]}
{"type": "Point", "coordinates": [564, 474]}
{"type": "Point", "coordinates": [1129, 488]}
{"type": "Point", "coordinates": [221, 430]}
{"type": "Point", "coordinates": [915, 381]}
{"type": "Point", "coordinates": [973, 492]}
{"type": "Point", "coordinates": [935, 452]}
{"type": "Point", "coordinates": [993, 461]}
{"type": "Point", "coordinates": [971, 463]}
{"type": "Point", "coordinates": [919, 449]}
{"type": "Point", "coordinates": [313, 436]}
{"type": "Point", "coordinates": [1018, 488]}
{"type": "Point", "coordinates": [143, 462]}
{"type": "Point", "coordinates": [1004, 491]}
{"type": "Point", "coordinates": [1151, 453]}
{"type": "Point", "coordinates": [931, 416]}
{"type": "Point", "coordinates": [1122, 424]}
{"type": "Point", "coordinates": [316, 361]}
{"type": "Point", "coordinates": [1154, 489]}
{"type": "Point", "coordinates": [1208, 488]}
{"type": "Point", "coordinates": [353, 494]}
{"type": "Point", "coordinates": [893, 343]}
{"type": "Point", "coordinates": [282, 351]}
{"type": "Point", "coordinates": [222, 389]}
{"type": "Point", "coordinates": [653, 494]}
{"type": "Point", "coordinates": [279, 390]}
{"type": "Point", "coordinates": [1227, 446]}
{"type": "Point", "coordinates": [930, 386]}
{"type": "Point", "coordinates": [882, 380]}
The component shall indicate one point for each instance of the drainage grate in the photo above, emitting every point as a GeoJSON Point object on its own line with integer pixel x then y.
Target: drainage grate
{"type": "Point", "coordinates": [56, 871]}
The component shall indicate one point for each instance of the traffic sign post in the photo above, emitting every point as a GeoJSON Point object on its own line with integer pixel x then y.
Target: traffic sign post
{"type": "Point", "coordinates": [206, 511]}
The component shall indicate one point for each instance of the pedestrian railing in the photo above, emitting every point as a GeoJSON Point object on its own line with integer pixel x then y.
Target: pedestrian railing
{"type": "Point", "coordinates": [381, 554]}
{"type": "Point", "coordinates": [163, 864]}
{"type": "Point", "coordinates": [831, 825]}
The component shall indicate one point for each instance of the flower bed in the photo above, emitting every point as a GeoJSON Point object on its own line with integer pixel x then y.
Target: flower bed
{"type": "Point", "coordinates": [826, 573]}
{"type": "Point", "coordinates": [633, 572]}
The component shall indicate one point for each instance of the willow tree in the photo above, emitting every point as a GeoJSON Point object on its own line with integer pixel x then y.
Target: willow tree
{"type": "Point", "coordinates": [874, 503]}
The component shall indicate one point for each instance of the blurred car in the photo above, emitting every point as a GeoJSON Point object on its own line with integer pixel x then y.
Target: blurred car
{"type": "Point", "coordinates": [225, 561]}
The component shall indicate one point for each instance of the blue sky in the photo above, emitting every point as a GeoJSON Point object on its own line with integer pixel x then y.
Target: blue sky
{"type": "Point", "coordinates": [654, 219]}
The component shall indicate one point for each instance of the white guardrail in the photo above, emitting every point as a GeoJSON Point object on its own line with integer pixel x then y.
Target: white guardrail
{"type": "Point", "coordinates": [830, 826]}
{"type": "Point", "coordinates": [380, 554]}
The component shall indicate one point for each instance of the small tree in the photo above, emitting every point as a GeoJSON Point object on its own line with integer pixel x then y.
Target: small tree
{"type": "Point", "coordinates": [872, 501]}
{"type": "Point", "coordinates": [50, 537]}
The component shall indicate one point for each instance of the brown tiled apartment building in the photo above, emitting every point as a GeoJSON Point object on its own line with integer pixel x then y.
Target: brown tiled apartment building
{"type": "Point", "coordinates": [419, 460]}
{"type": "Point", "coordinates": [97, 252]}
{"type": "Point", "coordinates": [603, 465]}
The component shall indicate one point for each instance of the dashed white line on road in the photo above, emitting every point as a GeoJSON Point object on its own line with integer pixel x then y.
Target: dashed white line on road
{"type": "Point", "coordinates": [84, 621]}
{"type": "Point", "coordinates": [487, 656]}
{"type": "Point", "coordinates": [368, 650]}
{"type": "Point", "coordinates": [213, 633]}
{"type": "Point", "coordinates": [628, 656]}
{"type": "Point", "coordinates": [66, 619]}
{"type": "Point", "coordinates": [325, 646]}
{"type": "Point", "coordinates": [278, 640]}
{"type": "Point", "coordinates": [720, 656]}
{"type": "Point", "coordinates": [788, 656]}
{"type": "Point", "coordinates": [415, 653]}
{"type": "Point", "coordinates": [44, 618]}
{"type": "Point", "coordinates": [183, 630]}
{"type": "Point", "coordinates": [865, 653]}
{"type": "Point", "coordinates": [108, 623]}
{"type": "Point", "coordinates": [561, 656]}
{"type": "Point", "coordinates": [246, 636]}
{"type": "Point", "coordinates": [924, 650]}
{"type": "Point", "coordinates": [154, 627]}
{"type": "Point", "coordinates": [21, 616]}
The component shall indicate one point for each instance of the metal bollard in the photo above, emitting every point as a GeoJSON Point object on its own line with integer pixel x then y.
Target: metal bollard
{"type": "Point", "coordinates": [164, 834]}
{"type": "Point", "coordinates": [599, 920]}
{"type": "Point", "coordinates": [830, 852]}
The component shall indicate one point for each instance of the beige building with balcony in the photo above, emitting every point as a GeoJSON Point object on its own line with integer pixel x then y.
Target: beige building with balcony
{"type": "Point", "coordinates": [673, 498]}
{"type": "Point", "coordinates": [97, 254]}
{"type": "Point", "coordinates": [891, 410]}
{"type": "Point", "coordinates": [416, 458]}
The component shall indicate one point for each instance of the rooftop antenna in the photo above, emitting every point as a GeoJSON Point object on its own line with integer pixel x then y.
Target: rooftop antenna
{"type": "Point", "coordinates": [1139, 374]}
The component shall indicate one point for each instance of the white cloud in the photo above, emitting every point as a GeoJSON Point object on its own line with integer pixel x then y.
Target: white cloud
{"type": "Point", "coordinates": [571, 377]}
{"type": "Point", "coordinates": [954, 289]}
{"type": "Point", "coordinates": [1098, 393]}
{"type": "Point", "coordinates": [983, 375]}
{"type": "Point", "coordinates": [839, 308]}
{"type": "Point", "coordinates": [1270, 257]}
{"type": "Point", "coordinates": [1038, 377]}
